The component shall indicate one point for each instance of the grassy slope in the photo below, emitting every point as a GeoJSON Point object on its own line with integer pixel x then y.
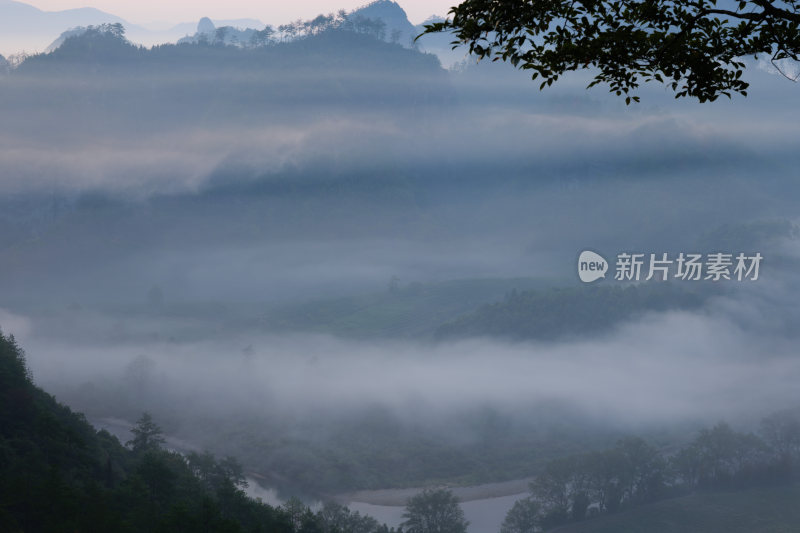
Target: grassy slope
{"type": "Point", "coordinates": [763, 510]}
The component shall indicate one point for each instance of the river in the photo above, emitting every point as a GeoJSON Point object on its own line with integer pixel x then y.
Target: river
{"type": "Point", "coordinates": [485, 506]}
{"type": "Point", "coordinates": [484, 516]}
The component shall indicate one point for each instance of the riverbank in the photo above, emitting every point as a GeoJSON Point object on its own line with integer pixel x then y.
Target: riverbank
{"type": "Point", "coordinates": [382, 497]}
{"type": "Point", "coordinates": [399, 497]}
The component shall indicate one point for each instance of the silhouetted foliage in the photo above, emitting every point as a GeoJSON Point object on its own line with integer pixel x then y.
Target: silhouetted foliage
{"type": "Point", "coordinates": [634, 473]}
{"type": "Point", "coordinates": [695, 47]}
{"type": "Point", "coordinates": [147, 436]}
{"type": "Point", "coordinates": [523, 517]}
{"type": "Point", "coordinates": [434, 511]}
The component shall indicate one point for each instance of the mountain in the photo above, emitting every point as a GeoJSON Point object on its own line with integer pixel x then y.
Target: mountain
{"type": "Point", "coordinates": [188, 28]}
{"type": "Point", "coordinates": [25, 27]}
{"type": "Point", "coordinates": [399, 29]}
{"type": "Point", "coordinates": [227, 34]}
{"type": "Point", "coordinates": [180, 32]}
{"type": "Point", "coordinates": [72, 32]}
{"type": "Point", "coordinates": [117, 91]}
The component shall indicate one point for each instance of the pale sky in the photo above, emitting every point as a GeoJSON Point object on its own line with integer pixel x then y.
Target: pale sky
{"type": "Point", "coordinates": [269, 11]}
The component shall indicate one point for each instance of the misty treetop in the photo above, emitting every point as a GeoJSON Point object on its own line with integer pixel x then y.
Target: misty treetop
{"type": "Point", "coordinates": [582, 311]}
{"type": "Point", "coordinates": [434, 511]}
{"type": "Point", "coordinates": [208, 34]}
{"type": "Point", "coordinates": [147, 435]}
{"type": "Point", "coordinates": [634, 473]}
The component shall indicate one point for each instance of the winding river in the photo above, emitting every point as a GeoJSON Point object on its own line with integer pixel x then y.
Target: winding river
{"type": "Point", "coordinates": [485, 506]}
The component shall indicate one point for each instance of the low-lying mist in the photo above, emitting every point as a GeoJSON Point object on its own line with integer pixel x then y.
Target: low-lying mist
{"type": "Point", "coordinates": [642, 373]}
{"type": "Point", "coordinates": [291, 406]}
{"type": "Point", "coordinates": [260, 246]}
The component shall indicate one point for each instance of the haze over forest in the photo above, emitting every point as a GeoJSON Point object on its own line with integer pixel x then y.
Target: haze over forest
{"type": "Point", "coordinates": [350, 262]}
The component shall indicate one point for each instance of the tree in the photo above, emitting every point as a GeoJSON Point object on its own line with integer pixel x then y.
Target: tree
{"type": "Point", "coordinates": [643, 470]}
{"type": "Point", "coordinates": [301, 517]}
{"type": "Point", "coordinates": [221, 35]}
{"type": "Point", "coordinates": [262, 37]}
{"type": "Point", "coordinates": [721, 457]}
{"type": "Point", "coordinates": [694, 46]}
{"type": "Point", "coordinates": [523, 517]}
{"type": "Point", "coordinates": [147, 435]}
{"type": "Point", "coordinates": [157, 477]}
{"type": "Point", "coordinates": [555, 488]}
{"type": "Point", "coordinates": [318, 24]}
{"type": "Point", "coordinates": [782, 433]}
{"type": "Point", "coordinates": [434, 511]}
{"type": "Point", "coordinates": [395, 36]}
{"type": "Point", "coordinates": [335, 518]}
{"type": "Point", "coordinates": [116, 29]}
{"type": "Point", "coordinates": [216, 475]}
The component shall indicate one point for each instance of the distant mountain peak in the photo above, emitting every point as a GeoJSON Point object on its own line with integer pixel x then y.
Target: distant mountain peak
{"type": "Point", "coordinates": [433, 19]}
{"type": "Point", "coordinates": [25, 27]}
{"type": "Point", "coordinates": [384, 3]}
{"type": "Point", "coordinates": [72, 32]}
{"type": "Point", "coordinates": [398, 28]}
{"type": "Point", "coordinates": [383, 8]}
{"type": "Point", "coordinates": [206, 26]}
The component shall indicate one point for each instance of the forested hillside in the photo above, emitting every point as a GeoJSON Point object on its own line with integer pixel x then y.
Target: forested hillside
{"type": "Point", "coordinates": [571, 311]}
{"type": "Point", "coordinates": [58, 474]}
